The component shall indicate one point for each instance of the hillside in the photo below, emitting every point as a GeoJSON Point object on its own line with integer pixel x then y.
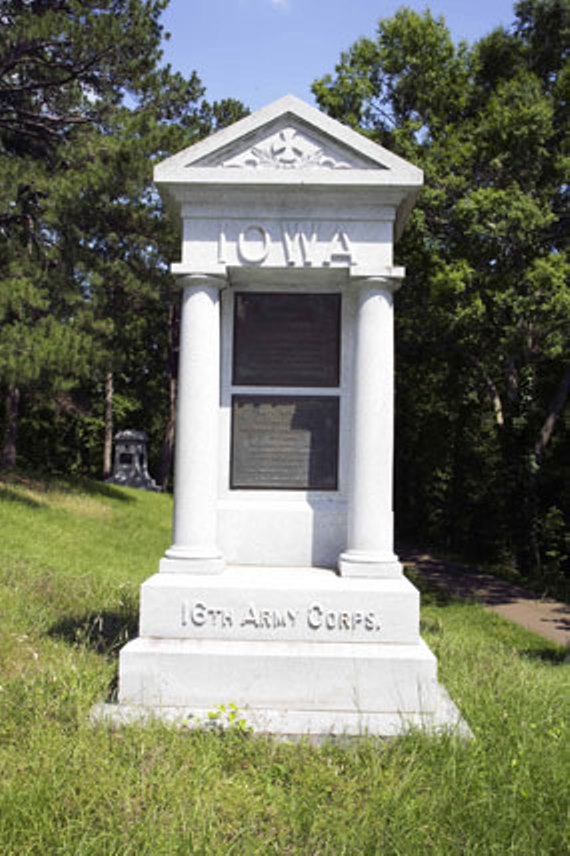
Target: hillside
{"type": "Point", "coordinates": [72, 556]}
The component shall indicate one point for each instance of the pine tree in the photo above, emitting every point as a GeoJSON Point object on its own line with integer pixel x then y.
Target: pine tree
{"type": "Point", "coordinates": [85, 110]}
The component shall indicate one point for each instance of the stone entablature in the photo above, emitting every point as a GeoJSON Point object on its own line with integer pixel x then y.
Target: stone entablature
{"type": "Point", "coordinates": [216, 244]}
{"type": "Point", "coordinates": [292, 149]}
{"type": "Point", "coordinates": [288, 188]}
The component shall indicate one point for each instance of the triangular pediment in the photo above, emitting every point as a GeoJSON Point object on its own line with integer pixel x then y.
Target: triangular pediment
{"type": "Point", "coordinates": [286, 139]}
{"type": "Point", "coordinates": [287, 144]}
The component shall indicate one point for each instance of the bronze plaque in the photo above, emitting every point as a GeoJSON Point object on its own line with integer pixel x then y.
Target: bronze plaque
{"type": "Point", "coordinates": [284, 442]}
{"type": "Point", "coordinates": [286, 339]}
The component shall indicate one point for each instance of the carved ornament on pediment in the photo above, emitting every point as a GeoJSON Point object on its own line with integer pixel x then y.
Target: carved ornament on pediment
{"type": "Point", "coordinates": [287, 149]}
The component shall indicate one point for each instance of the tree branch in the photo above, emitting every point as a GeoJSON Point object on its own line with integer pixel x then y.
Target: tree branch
{"type": "Point", "coordinates": [73, 73]}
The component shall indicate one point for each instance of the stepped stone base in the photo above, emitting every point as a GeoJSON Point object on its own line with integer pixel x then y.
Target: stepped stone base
{"type": "Point", "coordinates": [297, 651]}
{"type": "Point", "coordinates": [278, 675]}
{"type": "Point", "coordinates": [291, 724]}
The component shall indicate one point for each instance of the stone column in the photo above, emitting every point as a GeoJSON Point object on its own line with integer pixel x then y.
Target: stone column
{"type": "Point", "coordinates": [370, 551]}
{"type": "Point", "coordinates": [194, 548]}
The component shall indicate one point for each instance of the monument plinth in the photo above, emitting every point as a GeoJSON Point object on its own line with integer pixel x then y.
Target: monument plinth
{"type": "Point", "coordinates": [281, 592]}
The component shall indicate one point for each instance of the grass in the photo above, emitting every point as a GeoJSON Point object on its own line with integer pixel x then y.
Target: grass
{"type": "Point", "coordinates": [72, 556]}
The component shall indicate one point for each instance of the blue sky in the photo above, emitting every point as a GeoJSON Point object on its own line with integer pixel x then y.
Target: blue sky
{"type": "Point", "coordinates": [259, 50]}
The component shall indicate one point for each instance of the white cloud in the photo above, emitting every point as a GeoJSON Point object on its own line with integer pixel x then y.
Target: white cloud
{"type": "Point", "coordinates": [280, 4]}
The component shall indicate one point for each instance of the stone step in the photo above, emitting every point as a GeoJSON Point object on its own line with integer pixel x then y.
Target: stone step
{"type": "Point", "coordinates": [344, 676]}
{"type": "Point", "coordinates": [272, 604]}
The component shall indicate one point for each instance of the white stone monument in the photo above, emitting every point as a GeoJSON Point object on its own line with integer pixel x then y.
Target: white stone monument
{"type": "Point", "coordinates": [281, 592]}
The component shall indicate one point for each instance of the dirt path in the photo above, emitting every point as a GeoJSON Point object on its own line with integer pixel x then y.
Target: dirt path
{"type": "Point", "coordinates": [548, 618]}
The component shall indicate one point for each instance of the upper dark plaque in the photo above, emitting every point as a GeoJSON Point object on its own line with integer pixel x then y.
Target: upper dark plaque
{"type": "Point", "coordinates": [286, 339]}
{"type": "Point", "coordinates": [285, 442]}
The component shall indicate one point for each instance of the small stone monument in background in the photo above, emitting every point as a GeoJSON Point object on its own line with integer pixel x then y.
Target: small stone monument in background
{"type": "Point", "coordinates": [130, 464]}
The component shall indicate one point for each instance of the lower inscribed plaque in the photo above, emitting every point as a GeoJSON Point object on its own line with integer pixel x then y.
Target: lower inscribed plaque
{"type": "Point", "coordinates": [285, 442]}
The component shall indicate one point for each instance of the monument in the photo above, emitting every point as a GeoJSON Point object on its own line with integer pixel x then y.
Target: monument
{"type": "Point", "coordinates": [281, 592]}
{"type": "Point", "coordinates": [130, 464]}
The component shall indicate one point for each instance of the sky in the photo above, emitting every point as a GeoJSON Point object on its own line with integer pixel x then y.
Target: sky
{"type": "Point", "coordinates": [260, 50]}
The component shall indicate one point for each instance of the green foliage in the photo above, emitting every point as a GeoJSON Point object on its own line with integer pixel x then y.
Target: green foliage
{"type": "Point", "coordinates": [66, 63]}
{"type": "Point", "coordinates": [484, 318]}
{"type": "Point", "coordinates": [71, 557]}
{"type": "Point", "coordinates": [227, 717]}
{"type": "Point", "coordinates": [85, 242]}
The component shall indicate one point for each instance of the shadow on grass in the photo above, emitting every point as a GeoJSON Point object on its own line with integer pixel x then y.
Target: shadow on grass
{"type": "Point", "coordinates": [7, 494]}
{"type": "Point", "coordinates": [42, 483]}
{"type": "Point", "coordinates": [95, 488]}
{"type": "Point", "coordinates": [102, 632]}
{"type": "Point", "coordinates": [431, 593]}
{"type": "Point", "coordinates": [554, 656]}
{"type": "Point", "coordinates": [468, 582]}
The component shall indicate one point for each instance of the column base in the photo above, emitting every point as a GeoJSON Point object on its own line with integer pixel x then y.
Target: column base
{"type": "Point", "coordinates": [359, 563]}
{"type": "Point", "coordinates": [186, 562]}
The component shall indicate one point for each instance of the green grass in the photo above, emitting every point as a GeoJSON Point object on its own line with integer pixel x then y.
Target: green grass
{"type": "Point", "coordinates": [71, 559]}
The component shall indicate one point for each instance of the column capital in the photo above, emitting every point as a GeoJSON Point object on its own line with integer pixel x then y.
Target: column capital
{"type": "Point", "coordinates": [390, 281]}
{"type": "Point", "coordinates": [201, 280]}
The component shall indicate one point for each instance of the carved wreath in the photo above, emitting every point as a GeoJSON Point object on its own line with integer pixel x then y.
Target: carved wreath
{"type": "Point", "coordinates": [290, 151]}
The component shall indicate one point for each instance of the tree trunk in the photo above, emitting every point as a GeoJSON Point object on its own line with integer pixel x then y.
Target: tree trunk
{"type": "Point", "coordinates": [108, 441]}
{"type": "Point", "coordinates": [8, 460]}
{"type": "Point", "coordinates": [172, 372]}
{"type": "Point", "coordinates": [556, 406]}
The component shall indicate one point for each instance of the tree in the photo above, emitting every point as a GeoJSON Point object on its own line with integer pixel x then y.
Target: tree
{"type": "Point", "coordinates": [86, 296]}
{"type": "Point", "coordinates": [484, 317]}
{"type": "Point", "coordinates": [65, 63]}
{"type": "Point", "coordinates": [64, 66]}
{"type": "Point", "coordinates": [124, 240]}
